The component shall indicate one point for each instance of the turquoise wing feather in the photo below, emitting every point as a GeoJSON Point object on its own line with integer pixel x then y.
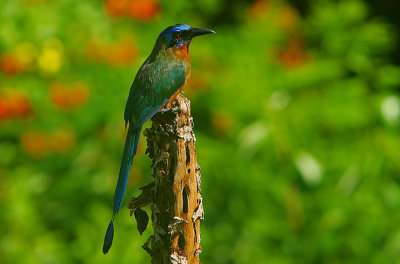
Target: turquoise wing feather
{"type": "Point", "coordinates": [154, 84]}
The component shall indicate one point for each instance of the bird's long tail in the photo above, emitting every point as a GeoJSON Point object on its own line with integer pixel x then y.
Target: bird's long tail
{"type": "Point", "coordinates": [132, 139]}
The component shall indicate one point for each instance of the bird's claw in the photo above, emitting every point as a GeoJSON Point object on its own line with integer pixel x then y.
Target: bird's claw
{"type": "Point", "coordinates": [164, 110]}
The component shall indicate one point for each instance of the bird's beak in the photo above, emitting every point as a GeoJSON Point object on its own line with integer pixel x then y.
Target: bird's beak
{"type": "Point", "coordinates": [200, 31]}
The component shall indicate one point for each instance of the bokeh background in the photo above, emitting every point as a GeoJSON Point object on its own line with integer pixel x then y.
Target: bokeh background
{"type": "Point", "coordinates": [296, 108]}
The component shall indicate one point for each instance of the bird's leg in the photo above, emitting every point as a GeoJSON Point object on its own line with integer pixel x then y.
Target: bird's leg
{"type": "Point", "coordinates": [168, 105]}
{"type": "Point", "coordinates": [171, 100]}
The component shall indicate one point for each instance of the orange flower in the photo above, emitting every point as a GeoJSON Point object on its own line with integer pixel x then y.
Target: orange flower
{"type": "Point", "coordinates": [61, 141]}
{"type": "Point", "coordinates": [34, 144]}
{"type": "Point", "coordinates": [38, 145]}
{"type": "Point", "coordinates": [222, 122]}
{"type": "Point", "coordinates": [58, 95]}
{"type": "Point", "coordinates": [68, 98]}
{"type": "Point", "coordinates": [258, 10]}
{"type": "Point", "coordinates": [116, 8]}
{"type": "Point", "coordinates": [10, 65]}
{"type": "Point", "coordinates": [293, 55]}
{"type": "Point", "coordinates": [19, 106]}
{"type": "Point", "coordinates": [79, 94]}
{"type": "Point", "coordinates": [287, 18]}
{"type": "Point", "coordinates": [15, 105]}
{"type": "Point", "coordinates": [123, 53]}
{"type": "Point", "coordinates": [144, 10]}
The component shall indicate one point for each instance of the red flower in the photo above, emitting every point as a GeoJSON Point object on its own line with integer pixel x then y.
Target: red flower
{"type": "Point", "coordinates": [15, 105]}
{"type": "Point", "coordinates": [10, 65]}
{"type": "Point", "coordinates": [4, 111]}
{"type": "Point", "coordinates": [19, 106]}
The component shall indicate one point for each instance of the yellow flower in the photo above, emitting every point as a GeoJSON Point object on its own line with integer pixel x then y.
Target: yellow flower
{"type": "Point", "coordinates": [50, 59]}
{"type": "Point", "coordinates": [26, 53]}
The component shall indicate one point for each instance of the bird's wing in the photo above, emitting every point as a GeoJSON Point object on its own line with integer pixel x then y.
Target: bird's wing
{"type": "Point", "coordinates": [154, 84]}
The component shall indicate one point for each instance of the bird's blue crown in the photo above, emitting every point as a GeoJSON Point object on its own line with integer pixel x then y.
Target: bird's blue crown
{"type": "Point", "coordinates": [176, 35]}
{"type": "Point", "coordinates": [176, 27]}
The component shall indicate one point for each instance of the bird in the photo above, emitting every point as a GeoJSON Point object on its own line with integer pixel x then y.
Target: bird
{"type": "Point", "coordinates": [159, 80]}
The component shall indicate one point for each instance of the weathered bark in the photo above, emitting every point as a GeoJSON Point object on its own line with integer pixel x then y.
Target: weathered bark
{"type": "Point", "coordinates": [175, 199]}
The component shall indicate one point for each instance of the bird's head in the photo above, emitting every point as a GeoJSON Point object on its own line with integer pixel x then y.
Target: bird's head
{"type": "Point", "coordinates": [179, 34]}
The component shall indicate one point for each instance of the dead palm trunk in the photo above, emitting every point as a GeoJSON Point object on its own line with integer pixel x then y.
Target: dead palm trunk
{"type": "Point", "coordinates": [174, 196]}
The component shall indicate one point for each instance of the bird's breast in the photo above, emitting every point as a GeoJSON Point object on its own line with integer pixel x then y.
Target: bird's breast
{"type": "Point", "coordinates": [181, 52]}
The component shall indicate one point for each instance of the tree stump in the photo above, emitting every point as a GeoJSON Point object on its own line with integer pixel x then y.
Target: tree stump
{"type": "Point", "coordinates": [174, 196]}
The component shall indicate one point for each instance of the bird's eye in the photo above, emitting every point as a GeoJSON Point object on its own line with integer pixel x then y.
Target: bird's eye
{"type": "Point", "coordinates": [178, 35]}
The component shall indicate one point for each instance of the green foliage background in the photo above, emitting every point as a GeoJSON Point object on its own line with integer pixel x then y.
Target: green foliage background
{"type": "Point", "coordinates": [296, 118]}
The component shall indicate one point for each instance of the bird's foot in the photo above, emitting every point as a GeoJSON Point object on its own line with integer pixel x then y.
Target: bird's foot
{"type": "Point", "coordinates": [164, 110]}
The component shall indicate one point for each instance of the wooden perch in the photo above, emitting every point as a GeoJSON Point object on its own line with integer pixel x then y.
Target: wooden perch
{"type": "Point", "coordinates": [175, 199]}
